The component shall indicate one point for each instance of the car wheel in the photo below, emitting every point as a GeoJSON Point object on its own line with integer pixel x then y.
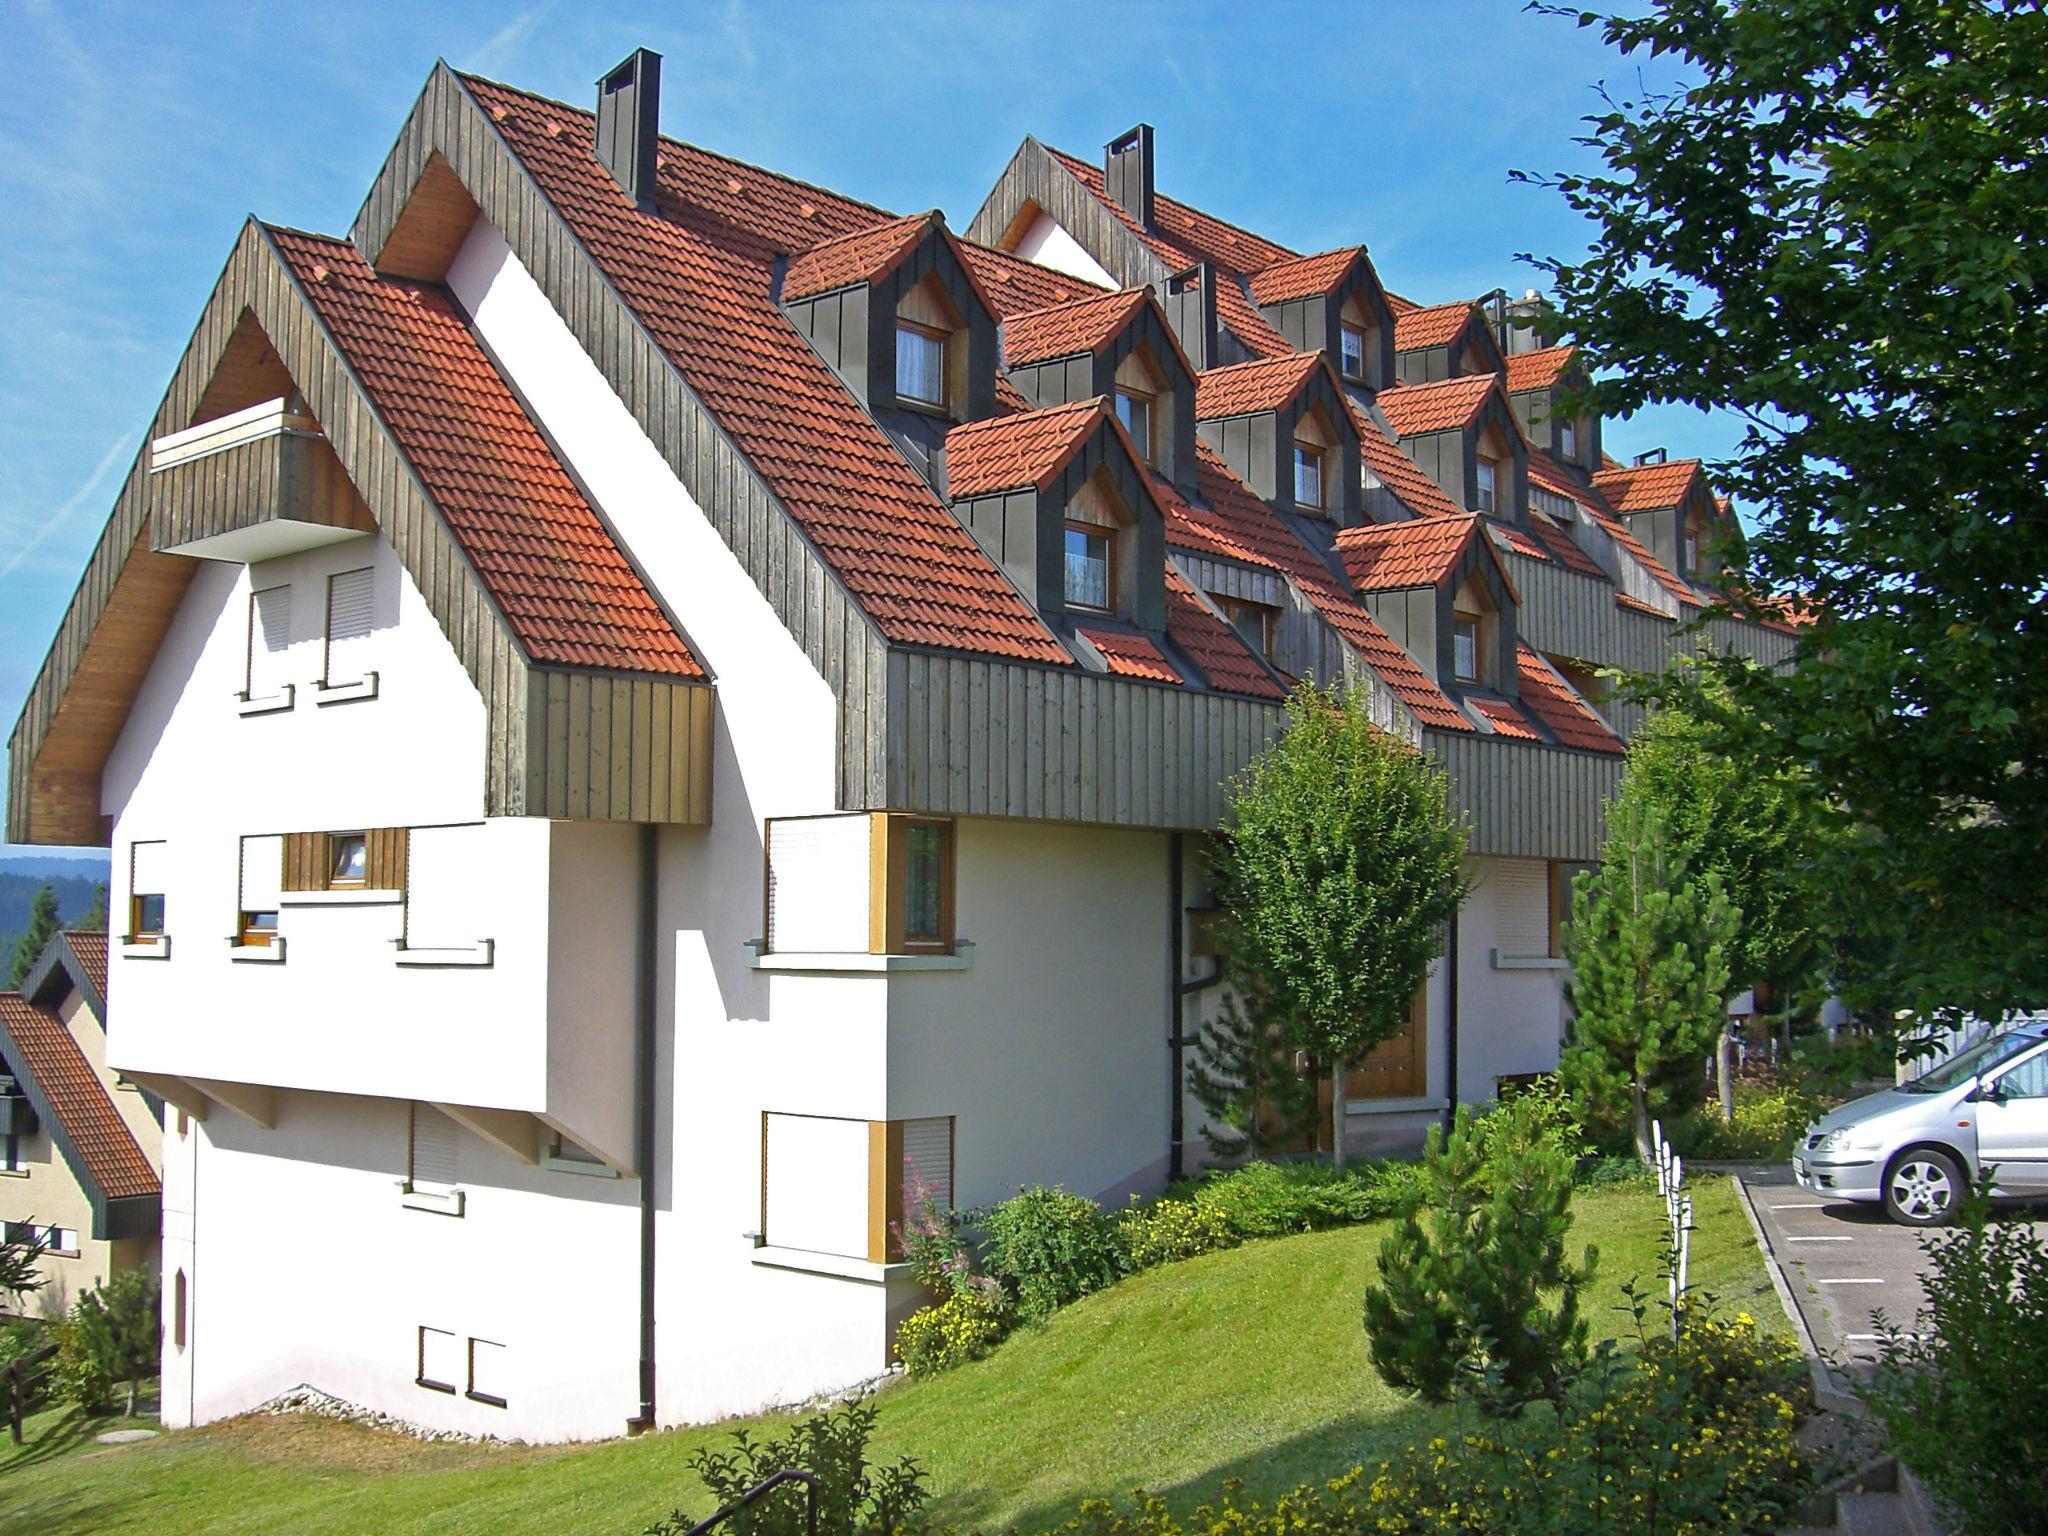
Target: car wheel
{"type": "Point", "coordinates": [1923, 1188]}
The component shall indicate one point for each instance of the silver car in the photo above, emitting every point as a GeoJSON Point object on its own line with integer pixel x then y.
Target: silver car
{"type": "Point", "coordinates": [1921, 1146]}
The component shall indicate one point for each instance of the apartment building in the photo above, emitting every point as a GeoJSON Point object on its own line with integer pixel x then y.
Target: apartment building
{"type": "Point", "coordinates": [644, 709]}
{"type": "Point", "coordinates": [80, 1145]}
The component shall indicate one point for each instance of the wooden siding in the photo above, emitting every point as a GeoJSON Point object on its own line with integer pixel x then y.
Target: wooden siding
{"type": "Point", "coordinates": [1033, 177]}
{"type": "Point", "coordinates": [1526, 801]}
{"type": "Point", "coordinates": [309, 859]}
{"type": "Point", "coordinates": [287, 477]}
{"type": "Point", "coordinates": [535, 764]}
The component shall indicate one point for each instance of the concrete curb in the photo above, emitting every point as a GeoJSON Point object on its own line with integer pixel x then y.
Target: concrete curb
{"type": "Point", "coordinates": [1829, 1390]}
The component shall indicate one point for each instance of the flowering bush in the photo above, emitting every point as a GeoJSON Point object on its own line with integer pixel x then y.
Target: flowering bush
{"type": "Point", "coordinates": [1170, 1230]}
{"type": "Point", "coordinates": [1050, 1247]}
{"type": "Point", "coordinates": [1274, 1199]}
{"type": "Point", "coordinates": [963, 1327]}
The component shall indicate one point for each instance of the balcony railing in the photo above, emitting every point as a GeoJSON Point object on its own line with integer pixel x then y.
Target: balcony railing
{"type": "Point", "coordinates": [251, 486]}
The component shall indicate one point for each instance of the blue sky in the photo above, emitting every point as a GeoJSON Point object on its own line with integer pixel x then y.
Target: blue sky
{"type": "Point", "coordinates": [134, 139]}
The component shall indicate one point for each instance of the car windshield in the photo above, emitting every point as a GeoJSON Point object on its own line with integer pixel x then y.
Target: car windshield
{"type": "Point", "coordinates": [1979, 1058]}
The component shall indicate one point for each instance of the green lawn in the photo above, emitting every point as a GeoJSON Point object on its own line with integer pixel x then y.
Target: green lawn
{"type": "Point", "coordinates": [1245, 1364]}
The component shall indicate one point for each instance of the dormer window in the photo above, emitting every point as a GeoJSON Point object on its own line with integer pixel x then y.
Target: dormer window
{"type": "Point", "coordinates": [1090, 578]}
{"type": "Point", "coordinates": [348, 858]}
{"type": "Point", "coordinates": [1568, 439]}
{"type": "Point", "coordinates": [1352, 348]}
{"type": "Point", "coordinates": [1308, 476]}
{"type": "Point", "coordinates": [1254, 622]}
{"type": "Point", "coordinates": [1134, 410]}
{"type": "Point", "coordinates": [920, 365]}
{"type": "Point", "coordinates": [1465, 647]}
{"type": "Point", "coordinates": [1489, 486]}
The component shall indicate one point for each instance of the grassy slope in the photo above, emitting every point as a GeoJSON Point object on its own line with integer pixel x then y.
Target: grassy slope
{"type": "Point", "coordinates": [1249, 1364]}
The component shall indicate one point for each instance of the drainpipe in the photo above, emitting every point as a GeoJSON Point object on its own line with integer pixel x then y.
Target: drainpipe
{"type": "Point", "coordinates": [1176, 1009]}
{"type": "Point", "coordinates": [1451, 1027]}
{"type": "Point", "coordinates": [643, 1127]}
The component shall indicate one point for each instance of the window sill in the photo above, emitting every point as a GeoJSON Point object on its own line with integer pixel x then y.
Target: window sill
{"type": "Point", "coordinates": [840, 1266]}
{"type": "Point", "coordinates": [441, 1203]}
{"type": "Point", "coordinates": [433, 1386]}
{"type": "Point", "coordinates": [1503, 962]}
{"type": "Point", "coordinates": [268, 703]}
{"type": "Point", "coordinates": [157, 948]}
{"type": "Point", "coordinates": [847, 964]}
{"type": "Point", "coordinates": [364, 687]}
{"type": "Point", "coordinates": [256, 954]}
{"type": "Point", "coordinates": [348, 896]}
{"type": "Point", "coordinates": [1414, 1106]}
{"type": "Point", "coordinates": [13, 1173]}
{"type": "Point", "coordinates": [486, 1399]}
{"type": "Point", "coordinates": [471, 957]}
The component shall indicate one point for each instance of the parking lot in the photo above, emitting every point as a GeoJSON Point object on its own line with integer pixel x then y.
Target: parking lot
{"type": "Point", "coordinates": [1846, 1264]}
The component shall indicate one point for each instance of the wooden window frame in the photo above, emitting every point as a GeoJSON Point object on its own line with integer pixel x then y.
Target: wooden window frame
{"type": "Point", "coordinates": [1320, 455]}
{"type": "Point", "coordinates": [1267, 615]}
{"type": "Point", "coordinates": [333, 849]}
{"type": "Point", "coordinates": [889, 885]}
{"type": "Point", "coordinates": [1459, 625]}
{"type": "Point", "coordinates": [137, 932]}
{"type": "Point", "coordinates": [1486, 486]}
{"type": "Point", "coordinates": [1345, 331]}
{"type": "Point", "coordinates": [1110, 540]}
{"type": "Point", "coordinates": [941, 406]}
{"type": "Point", "coordinates": [1148, 445]}
{"type": "Point", "coordinates": [420, 1376]}
{"type": "Point", "coordinates": [250, 936]}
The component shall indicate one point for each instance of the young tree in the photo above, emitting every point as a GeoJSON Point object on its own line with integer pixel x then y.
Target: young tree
{"type": "Point", "coordinates": [1649, 963]}
{"type": "Point", "coordinates": [95, 918]}
{"type": "Point", "coordinates": [118, 1328]}
{"type": "Point", "coordinates": [21, 1249]}
{"type": "Point", "coordinates": [1338, 866]}
{"type": "Point", "coordinates": [1244, 1076]}
{"type": "Point", "coordinates": [1830, 227]}
{"type": "Point", "coordinates": [42, 927]}
{"type": "Point", "coordinates": [1463, 1278]}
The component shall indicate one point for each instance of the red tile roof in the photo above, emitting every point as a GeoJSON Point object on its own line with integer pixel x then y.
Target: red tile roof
{"type": "Point", "coordinates": [90, 947]}
{"type": "Point", "coordinates": [1236, 313]}
{"type": "Point", "coordinates": [42, 1048]}
{"type": "Point", "coordinates": [1617, 530]}
{"type": "Point", "coordinates": [1537, 370]}
{"type": "Point", "coordinates": [1013, 285]}
{"type": "Point", "coordinates": [1245, 388]}
{"type": "Point", "coordinates": [1305, 276]}
{"type": "Point", "coordinates": [1564, 714]}
{"type": "Point", "coordinates": [864, 256]}
{"type": "Point", "coordinates": [696, 275]}
{"type": "Point", "coordinates": [1234, 524]}
{"type": "Point", "coordinates": [1437, 326]}
{"type": "Point", "coordinates": [1214, 646]}
{"type": "Point", "coordinates": [1414, 409]}
{"type": "Point", "coordinates": [1505, 719]}
{"type": "Point", "coordinates": [1396, 471]}
{"type": "Point", "coordinates": [1181, 235]}
{"type": "Point", "coordinates": [566, 589]}
{"type": "Point", "coordinates": [1129, 655]}
{"type": "Point", "coordinates": [1387, 557]}
{"type": "Point", "coordinates": [1637, 605]}
{"type": "Point", "coordinates": [1560, 545]}
{"type": "Point", "coordinates": [1007, 453]}
{"type": "Point", "coordinates": [1647, 487]}
{"type": "Point", "coordinates": [1080, 325]}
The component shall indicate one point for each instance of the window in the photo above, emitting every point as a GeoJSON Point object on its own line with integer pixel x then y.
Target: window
{"type": "Point", "coordinates": [1134, 410]}
{"type": "Point", "coordinates": [1308, 475]}
{"type": "Point", "coordinates": [843, 1186]}
{"type": "Point", "coordinates": [924, 884]}
{"type": "Point", "coordinates": [1465, 648]}
{"type": "Point", "coordinates": [440, 1360]}
{"type": "Point", "coordinates": [1090, 578]}
{"type": "Point", "coordinates": [910, 896]}
{"type": "Point", "coordinates": [1692, 553]}
{"type": "Point", "coordinates": [486, 1373]}
{"type": "Point", "coordinates": [1255, 622]}
{"type": "Point", "coordinates": [350, 611]}
{"type": "Point", "coordinates": [568, 1156]}
{"type": "Point", "coordinates": [1568, 439]}
{"type": "Point", "coordinates": [430, 1154]}
{"type": "Point", "coordinates": [1488, 498]}
{"type": "Point", "coordinates": [12, 1159]}
{"type": "Point", "coordinates": [178, 1303]}
{"type": "Point", "coordinates": [270, 634]}
{"type": "Point", "coordinates": [2028, 1080]}
{"type": "Point", "coordinates": [257, 930]}
{"type": "Point", "coordinates": [920, 365]}
{"type": "Point", "coordinates": [58, 1242]}
{"type": "Point", "coordinates": [820, 869]}
{"type": "Point", "coordinates": [146, 879]}
{"type": "Point", "coordinates": [348, 858]}
{"type": "Point", "coordinates": [262, 890]}
{"type": "Point", "coordinates": [1351, 344]}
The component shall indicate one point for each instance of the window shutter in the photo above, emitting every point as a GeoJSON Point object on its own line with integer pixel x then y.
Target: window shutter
{"type": "Point", "coordinates": [148, 865]}
{"type": "Point", "coordinates": [350, 610]}
{"type": "Point", "coordinates": [262, 873]}
{"type": "Point", "coordinates": [818, 874]}
{"type": "Point", "coordinates": [815, 1194]}
{"type": "Point", "coordinates": [432, 1161]}
{"type": "Point", "coordinates": [270, 635]}
{"type": "Point", "coordinates": [1521, 907]}
{"type": "Point", "coordinates": [928, 1160]}
{"type": "Point", "coordinates": [384, 858]}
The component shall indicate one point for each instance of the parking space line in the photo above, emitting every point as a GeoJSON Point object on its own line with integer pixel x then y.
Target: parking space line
{"type": "Point", "coordinates": [1848, 1282]}
{"type": "Point", "coordinates": [1798, 1207]}
{"type": "Point", "coordinates": [1816, 1239]}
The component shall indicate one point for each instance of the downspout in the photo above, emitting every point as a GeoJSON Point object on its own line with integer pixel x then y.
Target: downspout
{"type": "Point", "coordinates": [643, 1122]}
{"type": "Point", "coordinates": [1451, 1028]}
{"type": "Point", "coordinates": [1176, 1009]}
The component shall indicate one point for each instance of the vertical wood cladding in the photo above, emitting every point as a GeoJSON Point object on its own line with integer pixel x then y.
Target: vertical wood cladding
{"type": "Point", "coordinates": [1527, 801]}
{"type": "Point", "coordinates": [1034, 179]}
{"type": "Point", "coordinates": [286, 477]}
{"type": "Point", "coordinates": [309, 858]}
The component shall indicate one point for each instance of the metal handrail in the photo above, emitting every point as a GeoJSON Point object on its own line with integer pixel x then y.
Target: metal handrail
{"type": "Point", "coordinates": [761, 1490]}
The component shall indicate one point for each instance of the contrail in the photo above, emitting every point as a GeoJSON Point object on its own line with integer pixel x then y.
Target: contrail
{"type": "Point", "coordinates": [113, 456]}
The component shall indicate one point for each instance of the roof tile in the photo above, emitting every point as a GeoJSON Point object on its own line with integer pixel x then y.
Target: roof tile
{"type": "Point", "coordinates": [864, 256]}
{"type": "Point", "coordinates": [1540, 369]}
{"type": "Point", "coordinates": [1182, 235]}
{"type": "Point", "coordinates": [1219, 650]}
{"type": "Point", "coordinates": [90, 946]}
{"type": "Point", "coordinates": [1130, 655]}
{"type": "Point", "coordinates": [1437, 326]}
{"type": "Point", "coordinates": [1007, 453]}
{"type": "Point", "coordinates": [1647, 487]}
{"type": "Point", "coordinates": [1414, 409]}
{"type": "Point", "coordinates": [1505, 719]}
{"type": "Point", "coordinates": [1304, 277]}
{"type": "Point", "coordinates": [1077, 326]}
{"type": "Point", "coordinates": [1564, 714]}
{"type": "Point", "coordinates": [1246, 388]}
{"type": "Point", "coordinates": [45, 1050]}
{"type": "Point", "coordinates": [1387, 557]}
{"type": "Point", "coordinates": [1014, 285]}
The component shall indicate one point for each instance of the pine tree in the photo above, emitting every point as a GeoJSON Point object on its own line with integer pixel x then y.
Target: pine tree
{"type": "Point", "coordinates": [1649, 963]}
{"type": "Point", "coordinates": [1244, 1076]}
{"type": "Point", "coordinates": [95, 919]}
{"type": "Point", "coordinates": [120, 1329]}
{"type": "Point", "coordinates": [42, 927]}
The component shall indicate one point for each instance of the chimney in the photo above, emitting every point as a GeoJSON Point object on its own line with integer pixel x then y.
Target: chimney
{"type": "Point", "coordinates": [1127, 173]}
{"type": "Point", "coordinates": [1191, 310]}
{"type": "Point", "coordinates": [1653, 456]}
{"type": "Point", "coordinates": [628, 108]}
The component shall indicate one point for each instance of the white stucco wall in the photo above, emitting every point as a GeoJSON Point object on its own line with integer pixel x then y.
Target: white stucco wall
{"type": "Point", "coordinates": [1047, 242]}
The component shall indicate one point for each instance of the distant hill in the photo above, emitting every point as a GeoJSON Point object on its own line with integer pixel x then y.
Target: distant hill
{"type": "Point", "coordinates": [76, 881]}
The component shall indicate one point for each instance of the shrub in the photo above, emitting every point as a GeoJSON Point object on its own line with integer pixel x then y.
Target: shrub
{"type": "Point", "coordinates": [1050, 1247]}
{"type": "Point", "coordinates": [1274, 1199]}
{"type": "Point", "coordinates": [83, 1372]}
{"type": "Point", "coordinates": [855, 1496]}
{"type": "Point", "coordinates": [1962, 1397]}
{"type": "Point", "coordinates": [1461, 1300]}
{"type": "Point", "coordinates": [963, 1327]}
{"type": "Point", "coordinates": [1768, 1122]}
{"type": "Point", "coordinates": [1171, 1229]}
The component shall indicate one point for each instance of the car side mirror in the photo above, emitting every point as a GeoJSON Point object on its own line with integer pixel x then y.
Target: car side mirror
{"type": "Point", "coordinates": [1990, 1091]}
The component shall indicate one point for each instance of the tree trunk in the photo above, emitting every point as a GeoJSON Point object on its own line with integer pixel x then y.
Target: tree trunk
{"type": "Point", "coordinates": [1639, 1112]}
{"type": "Point", "coordinates": [1724, 1070]}
{"type": "Point", "coordinates": [1337, 1108]}
{"type": "Point", "coordinates": [134, 1395]}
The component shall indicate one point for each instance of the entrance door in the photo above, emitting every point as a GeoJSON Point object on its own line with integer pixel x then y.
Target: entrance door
{"type": "Point", "coordinates": [2012, 1129]}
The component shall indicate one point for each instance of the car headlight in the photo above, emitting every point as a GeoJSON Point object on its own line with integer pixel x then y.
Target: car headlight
{"type": "Point", "coordinates": [1834, 1141]}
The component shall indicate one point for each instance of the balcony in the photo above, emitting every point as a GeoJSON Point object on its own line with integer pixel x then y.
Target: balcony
{"type": "Point", "coordinates": [17, 1115]}
{"type": "Point", "coordinates": [260, 483]}
{"type": "Point", "coordinates": [495, 979]}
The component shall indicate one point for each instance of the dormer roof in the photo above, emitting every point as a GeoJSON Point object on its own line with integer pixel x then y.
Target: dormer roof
{"type": "Point", "coordinates": [1014, 285]}
{"type": "Point", "coordinates": [1029, 448]}
{"type": "Point", "coordinates": [1437, 326]}
{"type": "Point", "coordinates": [864, 256]}
{"type": "Point", "coordinates": [1244, 389]}
{"type": "Point", "coordinates": [1390, 557]}
{"type": "Point", "coordinates": [1066, 330]}
{"type": "Point", "coordinates": [1415, 409]}
{"type": "Point", "coordinates": [1304, 277]}
{"type": "Point", "coordinates": [1540, 369]}
{"type": "Point", "coordinates": [1649, 487]}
